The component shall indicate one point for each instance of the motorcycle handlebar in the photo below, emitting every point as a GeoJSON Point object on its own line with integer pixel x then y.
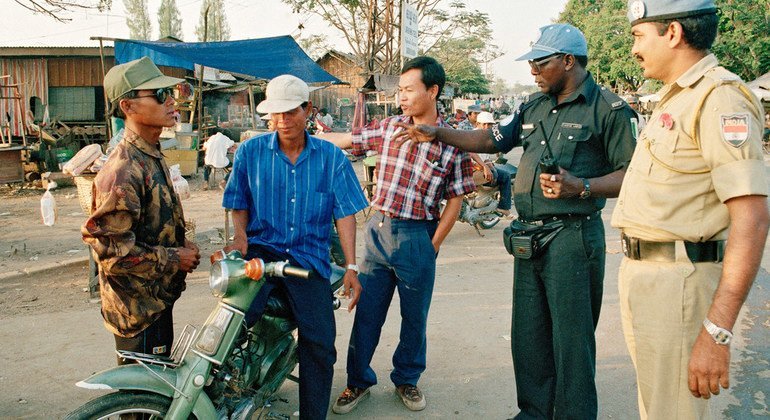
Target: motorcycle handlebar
{"type": "Point", "coordinates": [283, 269]}
{"type": "Point", "coordinates": [296, 272]}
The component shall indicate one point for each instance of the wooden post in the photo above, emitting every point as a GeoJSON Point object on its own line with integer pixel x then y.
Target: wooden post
{"type": "Point", "coordinates": [251, 108]}
{"type": "Point", "coordinates": [106, 99]}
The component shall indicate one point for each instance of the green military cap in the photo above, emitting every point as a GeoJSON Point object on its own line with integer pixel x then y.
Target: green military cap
{"type": "Point", "coordinates": [640, 11]}
{"type": "Point", "coordinates": [135, 75]}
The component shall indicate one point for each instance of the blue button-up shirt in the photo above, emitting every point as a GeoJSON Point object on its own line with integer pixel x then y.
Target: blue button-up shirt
{"type": "Point", "coordinates": [291, 206]}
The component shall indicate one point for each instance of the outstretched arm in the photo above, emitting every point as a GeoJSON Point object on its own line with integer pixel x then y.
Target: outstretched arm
{"type": "Point", "coordinates": [469, 141]}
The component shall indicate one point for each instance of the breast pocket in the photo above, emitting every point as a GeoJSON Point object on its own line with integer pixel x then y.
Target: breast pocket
{"type": "Point", "coordinates": [430, 178]}
{"type": "Point", "coordinates": [572, 139]}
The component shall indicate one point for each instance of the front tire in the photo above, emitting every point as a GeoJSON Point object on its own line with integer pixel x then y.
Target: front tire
{"type": "Point", "coordinates": [142, 405]}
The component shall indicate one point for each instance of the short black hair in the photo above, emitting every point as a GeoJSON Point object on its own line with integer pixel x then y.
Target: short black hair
{"type": "Point", "coordinates": [582, 60]}
{"type": "Point", "coordinates": [115, 110]}
{"type": "Point", "coordinates": [432, 72]}
{"type": "Point", "coordinates": [699, 31]}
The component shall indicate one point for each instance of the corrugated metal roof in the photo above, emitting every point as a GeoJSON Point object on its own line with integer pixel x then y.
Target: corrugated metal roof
{"type": "Point", "coordinates": [54, 51]}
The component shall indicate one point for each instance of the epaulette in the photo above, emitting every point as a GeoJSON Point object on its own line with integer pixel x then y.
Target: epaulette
{"type": "Point", "coordinates": [614, 101]}
{"type": "Point", "coordinates": [532, 100]}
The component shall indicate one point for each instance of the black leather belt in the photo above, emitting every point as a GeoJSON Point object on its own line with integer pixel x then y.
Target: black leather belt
{"type": "Point", "coordinates": [639, 249]}
{"type": "Point", "coordinates": [561, 217]}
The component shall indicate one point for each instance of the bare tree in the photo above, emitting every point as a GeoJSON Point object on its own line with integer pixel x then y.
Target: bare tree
{"type": "Point", "coordinates": [138, 19]}
{"type": "Point", "coordinates": [372, 27]}
{"type": "Point", "coordinates": [57, 8]}
{"type": "Point", "coordinates": [169, 21]}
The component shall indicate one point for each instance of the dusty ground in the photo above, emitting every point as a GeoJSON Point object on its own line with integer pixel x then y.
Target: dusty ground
{"type": "Point", "coordinates": [51, 335]}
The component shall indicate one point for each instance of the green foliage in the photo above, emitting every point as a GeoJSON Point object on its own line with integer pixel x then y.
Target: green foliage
{"type": "Point", "coordinates": [743, 44]}
{"type": "Point", "coordinates": [608, 35]}
{"type": "Point", "coordinates": [217, 29]}
{"type": "Point", "coordinates": [138, 19]}
{"type": "Point", "coordinates": [458, 56]}
{"type": "Point", "coordinates": [458, 37]}
{"type": "Point", "coordinates": [169, 20]}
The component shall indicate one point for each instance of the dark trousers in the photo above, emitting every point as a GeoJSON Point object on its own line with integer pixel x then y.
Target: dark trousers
{"type": "Point", "coordinates": [556, 302]}
{"type": "Point", "coordinates": [399, 255]}
{"type": "Point", "coordinates": [311, 303]}
{"type": "Point", "coordinates": [156, 339]}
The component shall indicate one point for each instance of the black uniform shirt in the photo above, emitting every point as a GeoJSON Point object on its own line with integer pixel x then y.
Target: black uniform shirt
{"type": "Point", "coordinates": [591, 134]}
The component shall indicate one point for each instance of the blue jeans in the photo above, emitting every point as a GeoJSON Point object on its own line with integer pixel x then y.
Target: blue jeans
{"type": "Point", "coordinates": [311, 303]}
{"type": "Point", "coordinates": [503, 179]}
{"type": "Point", "coordinates": [399, 255]}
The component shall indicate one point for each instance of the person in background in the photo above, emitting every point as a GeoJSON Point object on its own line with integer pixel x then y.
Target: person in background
{"type": "Point", "coordinates": [557, 293]}
{"type": "Point", "coordinates": [136, 229]}
{"type": "Point", "coordinates": [692, 212]}
{"type": "Point", "coordinates": [285, 188]}
{"type": "Point", "coordinates": [470, 122]}
{"type": "Point", "coordinates": [217, 147]}
{"type": "Point", "coordinates": [492, 172]}
{"type": "Point", "coordinates": [404, 236]}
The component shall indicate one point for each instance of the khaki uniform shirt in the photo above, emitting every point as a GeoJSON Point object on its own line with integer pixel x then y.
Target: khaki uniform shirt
{"type": "Point", "coordinates": [135, 227]}
{"type": "Point", "coordinates": [680, 195]}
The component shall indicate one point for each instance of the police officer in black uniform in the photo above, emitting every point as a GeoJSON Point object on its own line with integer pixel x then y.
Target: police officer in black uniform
{"type": "Point", "coordinates": [588, 133]}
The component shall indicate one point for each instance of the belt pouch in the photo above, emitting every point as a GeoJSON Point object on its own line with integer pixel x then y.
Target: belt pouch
{"type": "Point", "coordinates": [527, 241]}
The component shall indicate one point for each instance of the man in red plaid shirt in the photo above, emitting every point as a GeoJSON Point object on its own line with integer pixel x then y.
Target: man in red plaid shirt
{"type": "Point", "coordinates": [404, 235]}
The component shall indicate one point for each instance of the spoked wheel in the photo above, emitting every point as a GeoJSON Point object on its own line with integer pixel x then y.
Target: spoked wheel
{"type": "Point", "coordinates": [123, 405]}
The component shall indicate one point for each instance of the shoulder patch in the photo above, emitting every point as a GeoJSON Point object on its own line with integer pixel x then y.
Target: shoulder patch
{"type": "Point", "coordinates": [734, 128]}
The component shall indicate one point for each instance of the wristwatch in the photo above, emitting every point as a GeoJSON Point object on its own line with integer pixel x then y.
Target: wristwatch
{"type": "Point", "coordinates": [353, 267]}
{"type": "Point", "coordinates": [721, 336]}
{"type": "Point", "coordinates": [586, 189]}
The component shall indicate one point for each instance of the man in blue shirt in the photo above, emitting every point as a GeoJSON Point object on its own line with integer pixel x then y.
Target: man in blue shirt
{"type": "Point", "coordinates": [285, 188]}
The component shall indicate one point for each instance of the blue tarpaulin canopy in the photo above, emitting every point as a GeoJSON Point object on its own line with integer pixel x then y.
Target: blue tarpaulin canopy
{"type": "Point", "coordinates": [263, 58]}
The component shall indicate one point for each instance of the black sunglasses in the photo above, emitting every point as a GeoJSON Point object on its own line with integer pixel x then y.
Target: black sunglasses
{"type": "Point", "coordinates": [161, 95]}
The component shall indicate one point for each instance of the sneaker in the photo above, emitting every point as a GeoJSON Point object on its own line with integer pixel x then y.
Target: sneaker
{"type": "Point", "coordinates": [411, 396]}
{"type": "Point", "coordinates": [349, 399]}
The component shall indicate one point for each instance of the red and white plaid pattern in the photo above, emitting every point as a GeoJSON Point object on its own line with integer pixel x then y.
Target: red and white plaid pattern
{"type": "Point", "coordinates": [412, 183]}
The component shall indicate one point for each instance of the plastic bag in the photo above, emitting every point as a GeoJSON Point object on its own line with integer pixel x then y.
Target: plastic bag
{"type": "Point", "coordinates": [82, 160]}
{"type": "Point", "coordinates": [48, 208]}
{"type": "Point", "coordinates": [181, 187]}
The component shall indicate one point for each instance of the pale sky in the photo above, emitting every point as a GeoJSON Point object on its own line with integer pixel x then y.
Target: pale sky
{"type": "Point", "coordinates": [515, 24]}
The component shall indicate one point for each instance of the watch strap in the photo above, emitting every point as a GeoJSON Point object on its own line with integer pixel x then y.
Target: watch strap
{"type": "Point", "coordinates": [719, 334]}
{"type": "Point", "coordinates": [353, 267]}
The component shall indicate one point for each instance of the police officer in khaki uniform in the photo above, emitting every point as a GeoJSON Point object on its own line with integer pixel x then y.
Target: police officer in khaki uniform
{"type": "Point", "coordinates": [692, 211]}
{"type": "Point", "coordinates": [557, 297]}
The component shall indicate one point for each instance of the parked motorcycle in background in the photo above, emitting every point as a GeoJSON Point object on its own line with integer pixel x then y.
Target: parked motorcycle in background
{"type": "Point", "coordinates": [479, 208]}
{"type": "Point", "coordinates": [225, 371]}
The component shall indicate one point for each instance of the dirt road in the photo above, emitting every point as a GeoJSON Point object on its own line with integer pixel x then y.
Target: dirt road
{"type": "Point", "coordinates": [51, 336]}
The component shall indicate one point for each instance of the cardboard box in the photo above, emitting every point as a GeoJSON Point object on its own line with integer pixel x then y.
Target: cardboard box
{"type": "Point", "coordinates": [187, 160]}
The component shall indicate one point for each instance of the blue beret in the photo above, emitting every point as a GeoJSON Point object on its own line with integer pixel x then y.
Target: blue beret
{"type": "Point", "coordinates": [474, 108]}
{"type": "Point", "coordinates": [557, 38]}
{"type": "Point", "coordinates": [640, 11]}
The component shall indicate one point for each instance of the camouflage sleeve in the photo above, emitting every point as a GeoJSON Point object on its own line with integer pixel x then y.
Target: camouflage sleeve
{"type": "Point", "coordinates": [116, 208]}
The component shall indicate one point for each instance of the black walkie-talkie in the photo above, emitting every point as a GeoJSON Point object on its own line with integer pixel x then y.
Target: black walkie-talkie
{"type": "Point", "coordinates": [547, 164]}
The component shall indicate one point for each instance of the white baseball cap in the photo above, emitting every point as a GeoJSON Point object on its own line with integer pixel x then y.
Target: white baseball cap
{"type": "Point", "coordinates": [485, 117]}
{"type": "Point", "coordinates": [283, 94]}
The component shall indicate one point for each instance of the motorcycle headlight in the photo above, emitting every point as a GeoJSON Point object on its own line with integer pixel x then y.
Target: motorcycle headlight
{"type": "Point", "coordinates": [219, 277]}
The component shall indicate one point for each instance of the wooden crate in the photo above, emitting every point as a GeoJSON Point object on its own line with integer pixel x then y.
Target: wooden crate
{"type": "Point", "coordinates": [187, 160]}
